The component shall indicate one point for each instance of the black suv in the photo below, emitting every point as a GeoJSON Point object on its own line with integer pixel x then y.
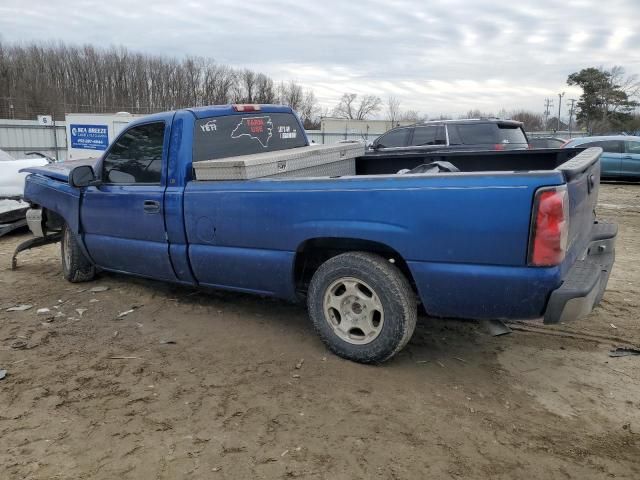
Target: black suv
{"type": "Point", "coordinates": [468, 134]}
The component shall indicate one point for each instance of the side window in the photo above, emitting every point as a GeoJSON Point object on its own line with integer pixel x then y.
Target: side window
{"type": "Point", "coordinates": [633, 148]}
{"type": "Point", "coordinates": [136, 157]}
{"type": "Point", "coordinates": [610, 146]}
{"type": "Point", "coordinates": [394, 138]}
{"type": "Point", "coordinates": [428, 135]}
{"type": "Point", "coordinates": [454, 135]}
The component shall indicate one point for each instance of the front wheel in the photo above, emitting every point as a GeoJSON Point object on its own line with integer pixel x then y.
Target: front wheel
{"type": "Point", "coordinates": [362, 306]}
{"type": "Point", "coordinates": [75, 266]}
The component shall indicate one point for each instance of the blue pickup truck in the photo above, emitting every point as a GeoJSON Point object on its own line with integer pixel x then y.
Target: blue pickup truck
{"type": "Point", "coordinates": [484, 235]}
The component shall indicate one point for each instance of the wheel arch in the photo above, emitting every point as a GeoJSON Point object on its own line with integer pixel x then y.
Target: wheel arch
{"type": "Point", "coordinates": [52, 221]}
{"type": "Point", "coordinates": [57, 199]}
{"type": "Point", "coordinates": [313, 252]}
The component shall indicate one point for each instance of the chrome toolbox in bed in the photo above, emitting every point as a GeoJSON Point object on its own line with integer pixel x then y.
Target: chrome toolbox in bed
{"type": "Point", "coordinates": [311, 161]}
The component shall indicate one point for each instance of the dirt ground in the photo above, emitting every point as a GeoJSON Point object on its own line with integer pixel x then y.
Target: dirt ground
{"type": "Point", "coordinates": [90, 394]}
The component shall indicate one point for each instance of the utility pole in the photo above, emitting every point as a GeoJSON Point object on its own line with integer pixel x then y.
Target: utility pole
{"type": "Point", "coordinates": [560, 95]}
{"type": "Point", "coordinates": [548, 103]}
{"type": "Point", "coordinates": [571, 103]}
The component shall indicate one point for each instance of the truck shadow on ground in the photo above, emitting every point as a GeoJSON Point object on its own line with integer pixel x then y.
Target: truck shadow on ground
{"type": "Point", "coordinates": [437, 341]}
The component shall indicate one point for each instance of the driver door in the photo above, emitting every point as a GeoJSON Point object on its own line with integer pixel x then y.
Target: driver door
{"type": "Point", "coordinates": [123, 218]}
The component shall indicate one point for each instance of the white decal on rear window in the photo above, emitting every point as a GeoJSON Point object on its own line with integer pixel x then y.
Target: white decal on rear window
{"type": "Point", "coordinates": [286, 132]}
{"type": "Point", "coordinates": [256, 128]}
{"type": "Point", "coordinates": [210, 126]}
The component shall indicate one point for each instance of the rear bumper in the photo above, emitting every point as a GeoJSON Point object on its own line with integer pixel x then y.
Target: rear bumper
{"type": "Point", "coordinates": [584, 285]}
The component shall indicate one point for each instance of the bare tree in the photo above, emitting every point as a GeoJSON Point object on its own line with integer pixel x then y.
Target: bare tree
{"type": "Point", "coordinates": [352, 108]}
{"type": "Point", "coordinates": [245, 86]}
{"type": "Point", "coordinates": [309, 110]}
{"type": "Point", "coordinates": [412, 116]}
{"type": "Point", "coordinates": [302, 101]}
{"type": "Point", "coordinates": [532, 121]}
{"type": "Point", "coordinates": [291, 94]}
{"type": "Point", "coordinates": [265, 91]}
{"type": "Point", "coordinates": [346, 108]}
{"type": "Point", "coordinates": [393, 109]}
{"type": "Point", "coordinates": [220, 86]}
{"type": "Point", "coordinates": [476, 113]}
{"type": "Point", "coordinates": [630, 85]}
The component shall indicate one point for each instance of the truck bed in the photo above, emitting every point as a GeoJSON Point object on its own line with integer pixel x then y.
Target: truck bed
{"type": "Point", "coordinates": [381, 163]}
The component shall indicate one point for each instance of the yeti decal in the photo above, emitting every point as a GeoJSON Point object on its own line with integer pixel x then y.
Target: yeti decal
{"type": "Point", "coordinates": [256, 128]}
{"type": "Point", "coordinates": [210, 126]}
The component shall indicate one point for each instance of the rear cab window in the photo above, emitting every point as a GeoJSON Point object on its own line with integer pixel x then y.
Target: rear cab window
{"type": "Point", "coordinates": [245, 134]}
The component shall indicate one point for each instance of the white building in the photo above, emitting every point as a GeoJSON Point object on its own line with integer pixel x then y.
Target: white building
{"type": "Point", "coordinates": [89, 134]}
{"type": "Point", "coordinates": [357, 127]}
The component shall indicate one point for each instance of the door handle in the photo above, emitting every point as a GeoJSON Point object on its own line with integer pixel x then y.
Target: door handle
{"type": "Point", "coordinates": [627, 157]}
{"type": "Point", "coordinates": [151, 206]}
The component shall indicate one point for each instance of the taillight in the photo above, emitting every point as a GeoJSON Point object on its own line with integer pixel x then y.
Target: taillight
{"type": "Point", "coordinates": [549, 227]}
{"type": "Point", "coordinates": [246, 107]}
{"type": "Point", "coordinates": [498, 146]}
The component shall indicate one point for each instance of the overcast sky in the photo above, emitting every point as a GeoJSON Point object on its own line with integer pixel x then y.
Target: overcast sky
{"type": "Point", "coordinates": [436, 56]}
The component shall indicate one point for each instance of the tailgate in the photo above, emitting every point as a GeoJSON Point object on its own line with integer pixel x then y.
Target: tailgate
{"type": "Point", "coordinates": [582, 174]}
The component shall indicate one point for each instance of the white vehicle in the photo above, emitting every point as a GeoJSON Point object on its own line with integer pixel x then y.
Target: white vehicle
{"type": "Point", "coordinates": [12, 207]}
{"type": "Point", "coordinates": [11, 181]}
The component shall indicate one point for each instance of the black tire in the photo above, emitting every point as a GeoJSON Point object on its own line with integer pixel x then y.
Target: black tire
{"type": "Point", "coordinates": [391, 291]}
{"type": "Point", "coordinates": [75, 266]}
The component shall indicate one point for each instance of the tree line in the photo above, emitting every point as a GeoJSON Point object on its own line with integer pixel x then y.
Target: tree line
{"type": "Point", "coordinates": [57, 78]}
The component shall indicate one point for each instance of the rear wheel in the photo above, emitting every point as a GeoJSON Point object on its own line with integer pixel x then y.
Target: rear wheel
{"type": "Point", "coordinates": [362, 307]}
{"type": "Point", "coordinates": [75, 266]}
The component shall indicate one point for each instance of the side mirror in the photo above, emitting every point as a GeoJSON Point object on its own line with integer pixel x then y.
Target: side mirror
{"type": "Point", "coordinates": [376, 146]}
{"type": "Point", "coordinates": [83, 176]}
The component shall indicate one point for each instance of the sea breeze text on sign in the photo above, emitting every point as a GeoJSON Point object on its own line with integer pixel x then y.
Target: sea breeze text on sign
{"type": "Point", "coordinates": [92, 137]}
{"type": "Point", "coordinates": [91, 130]}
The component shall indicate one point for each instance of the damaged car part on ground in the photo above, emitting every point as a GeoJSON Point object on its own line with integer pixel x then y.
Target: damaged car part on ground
{"type": "Point", "coordinates": [494, 240]}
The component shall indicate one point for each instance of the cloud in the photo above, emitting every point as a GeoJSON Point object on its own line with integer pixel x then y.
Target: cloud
{"type": "Point", "coordinates": [437, 56]}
